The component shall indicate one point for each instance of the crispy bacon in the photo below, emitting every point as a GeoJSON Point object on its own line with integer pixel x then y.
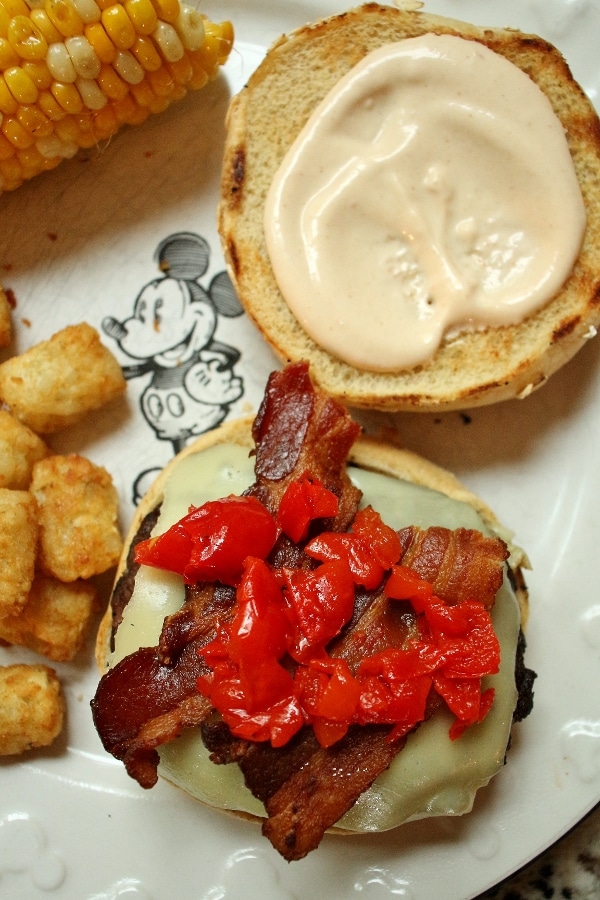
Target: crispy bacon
{"type": "Point", "coordinates": [151, 695]}
{"type": "Point", "coordinates": [461, 565]}
{"type": "Point", "coordinates": [141, 704]}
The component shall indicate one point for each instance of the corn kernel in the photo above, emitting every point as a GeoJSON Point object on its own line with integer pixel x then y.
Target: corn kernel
{"type": "Point", "coordinates": [16, 134]}
{"type": "Point", "coordinates": [100, 41]}
{"type": "Point", "coordinates": [43, 23]}
{"type": "Point", "coordinates": [226, 38]}
{"type": "Point", "coordinates": [124, 108]}
{"type": "Point", "coordinates": [111, 84]}
{"type": "Point", "coordinates": [168, 42]}
{"type": "Point", "coordinates": [8, 104]}
{"type": "Point", "coordinates": [142, 14]}
{"type": "Point", "coordinates": [39, 74]}
{"type": "Point", "coordinates": [55, 148]}
{"type": "Point", "coordinates": [15, 7]}
{"type": "Point", "coordinates": [92, 96]}
{"type": "Point", "coordinates": [159, 105]}
{"type": "Point", "coordinates": [146, 54]}
{"type": "Point", "coordinates": [83, 56]}
{"type": "Point", "coordinates": [34, 121]}
{"type": "Point", "coordinates": [68, 131]}
{"type": "Point", "coordinates": [31, 159]}
{"type": "Point", "coordinates": [12, 173]}
{"type": "Point", "coordinates": [118, 26]}
{"type": "Point", "coordinates": [105, 123]}
{"type": "Point", "coordinates": [87, 10]}
{"type": "Point", "coordinates": [127, 66]}
{"type": "Point", "coordinates": [190, 28]}
{"type": "Point", "coordinates": [47, 103]}
{"type": "Point", "coordinates": [161, 82]}
{"type": "Point", "coordinates": [20, 85]}
{"type": "Point", "coordinates": [166, 10]}
{"type": "Point", "coordinates": [26, 38]}
{"type": "Point", "coordinates": [209, 54]}
{"type": "Point", "coordinates": [6, 148]}
{"type": "Point", "coordinates": [182, 70]}
{"type": "Point", "coordinates": [4, 20]}
{"type": "Point", "coordinates": [143, 93]}
{"type": "Point", "coordinates": [64, 17]}
{"type": "Point", "coordinates": [8, 55]}
{"type": "Point", "coordinates": [60, 64]}
{"type": "Point", "coordinates": [199, 75]}
{"type": "Point", "coordinates": [67, 96]}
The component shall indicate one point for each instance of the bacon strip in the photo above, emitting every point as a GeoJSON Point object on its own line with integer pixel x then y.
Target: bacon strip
{"type": "Point", "coordinates": [141, 704]}
{"type": "Point", "coordinates": [461, 565]}
{"type": "Point", "coordinates": [149, 697]}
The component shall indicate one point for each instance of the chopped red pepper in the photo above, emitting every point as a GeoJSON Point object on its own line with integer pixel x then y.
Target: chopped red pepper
{"type": "Point", "coordinates": [303, 501]}
{"type": "Point", "coordinates": [369, 549]}
{"type": "Point", "coordinates": [212, 542]}
{"type": "Point", "coordinates": [406, 584]}
{"type": "Point", "coordinates": [383, 541]}
{"type": "Point", "coordinates": [322, 601]}
{"type": "Point", "coordinates": [270, 672]}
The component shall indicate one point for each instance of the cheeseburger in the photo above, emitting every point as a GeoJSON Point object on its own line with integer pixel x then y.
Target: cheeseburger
{"type": "Point", "coordinates": [313, 628]}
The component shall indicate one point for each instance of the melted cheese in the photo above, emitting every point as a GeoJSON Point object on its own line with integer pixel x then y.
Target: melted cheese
{"type": "Point", "coordinates": [432, 775]}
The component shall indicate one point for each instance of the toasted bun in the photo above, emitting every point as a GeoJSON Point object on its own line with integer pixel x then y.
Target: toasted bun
{"type": "Point", "coordinates": [263, 121]}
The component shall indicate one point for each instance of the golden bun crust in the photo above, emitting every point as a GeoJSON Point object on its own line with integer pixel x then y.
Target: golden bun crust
{"type": "Point", "coordinates": [263, 121]}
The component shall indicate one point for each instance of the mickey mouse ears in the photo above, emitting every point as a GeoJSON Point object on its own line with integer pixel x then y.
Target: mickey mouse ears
{"type": "Point", "coordinates": [183, 255]}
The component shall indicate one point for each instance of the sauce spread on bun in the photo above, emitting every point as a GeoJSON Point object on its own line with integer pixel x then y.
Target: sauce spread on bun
{"type": "Point", "coordinates": [431, 191]}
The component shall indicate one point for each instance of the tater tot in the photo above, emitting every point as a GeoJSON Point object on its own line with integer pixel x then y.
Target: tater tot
{"type": "Point", "coordinates": [5, 320]}
{"type": "Point", "coordinates": [58, 381]}
{"type": "Point", "coordinates": [78, 508]}
{"type": "Point", "coordinates": [55, 619]}
{"type": "Point", "coordinates": [18, 547]}
{"type": "Point", "coordinates": [20, 448]}
{"type": "Point", "coordinates": [32, 707]}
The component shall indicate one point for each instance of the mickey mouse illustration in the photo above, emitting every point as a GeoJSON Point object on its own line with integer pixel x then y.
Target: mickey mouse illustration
{"type": "Point", "coordinates": [171, 334]}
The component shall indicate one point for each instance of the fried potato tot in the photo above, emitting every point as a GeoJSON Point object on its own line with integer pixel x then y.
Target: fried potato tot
{"type": "Point", "coordinates": [20, 448]}
{"type": "Point", "coordinates": [55, 619]}
{"type": "Point", "coordinates": [18, 548]}
{"type": "Point", "coordinates": [5, 320]}
{"type": "Point", "coordinates": [32, 707]}
{"type": "Point", "coordinates": [58, 381]}
{"type": "Point", "coordinates": [78, 509]}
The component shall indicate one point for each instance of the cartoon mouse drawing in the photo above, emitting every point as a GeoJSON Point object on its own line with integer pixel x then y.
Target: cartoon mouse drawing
{"type": "Point", "coordinates": [171, 334]}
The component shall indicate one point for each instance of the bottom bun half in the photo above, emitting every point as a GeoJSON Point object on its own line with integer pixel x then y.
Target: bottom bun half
{"type": "Point", "coordinates": [432, 775]}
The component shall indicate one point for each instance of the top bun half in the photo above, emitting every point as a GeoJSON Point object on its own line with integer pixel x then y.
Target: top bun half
{"type": "Point", "coordinates": [264, 119]}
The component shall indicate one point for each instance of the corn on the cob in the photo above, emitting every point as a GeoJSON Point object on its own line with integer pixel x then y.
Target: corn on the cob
{"type": "Point", "coordinates": [74, 71]}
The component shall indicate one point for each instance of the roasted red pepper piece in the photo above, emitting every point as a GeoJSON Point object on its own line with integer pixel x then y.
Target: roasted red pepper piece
{"type": "Point", "coordinates": [303, 501]}
{"type": "Point", "coordinates": [212, 542]}
{"type": "Point", "coordinates": [383, 541]}
{"type": "Point", "coordinates": [322, 601]}
{"type": "Point", "coordinates": [369, 549]}
{"type": "Point", "coordinates": [406, 584]}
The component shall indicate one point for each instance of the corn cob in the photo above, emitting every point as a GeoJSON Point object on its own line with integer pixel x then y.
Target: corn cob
{"type": "Point", "coordinates": [74, 71]}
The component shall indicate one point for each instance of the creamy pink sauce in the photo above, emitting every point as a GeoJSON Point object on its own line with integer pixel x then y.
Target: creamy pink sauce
{"type": "Point", "coordinates": [431, 191]}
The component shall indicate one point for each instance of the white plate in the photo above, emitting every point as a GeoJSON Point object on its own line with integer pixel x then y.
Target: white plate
{"type": "Point", "coordinates": [78, 244]}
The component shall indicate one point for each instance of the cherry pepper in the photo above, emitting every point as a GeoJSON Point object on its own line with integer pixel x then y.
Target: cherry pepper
{"type": "Point", "coordinates": [212, 542]}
